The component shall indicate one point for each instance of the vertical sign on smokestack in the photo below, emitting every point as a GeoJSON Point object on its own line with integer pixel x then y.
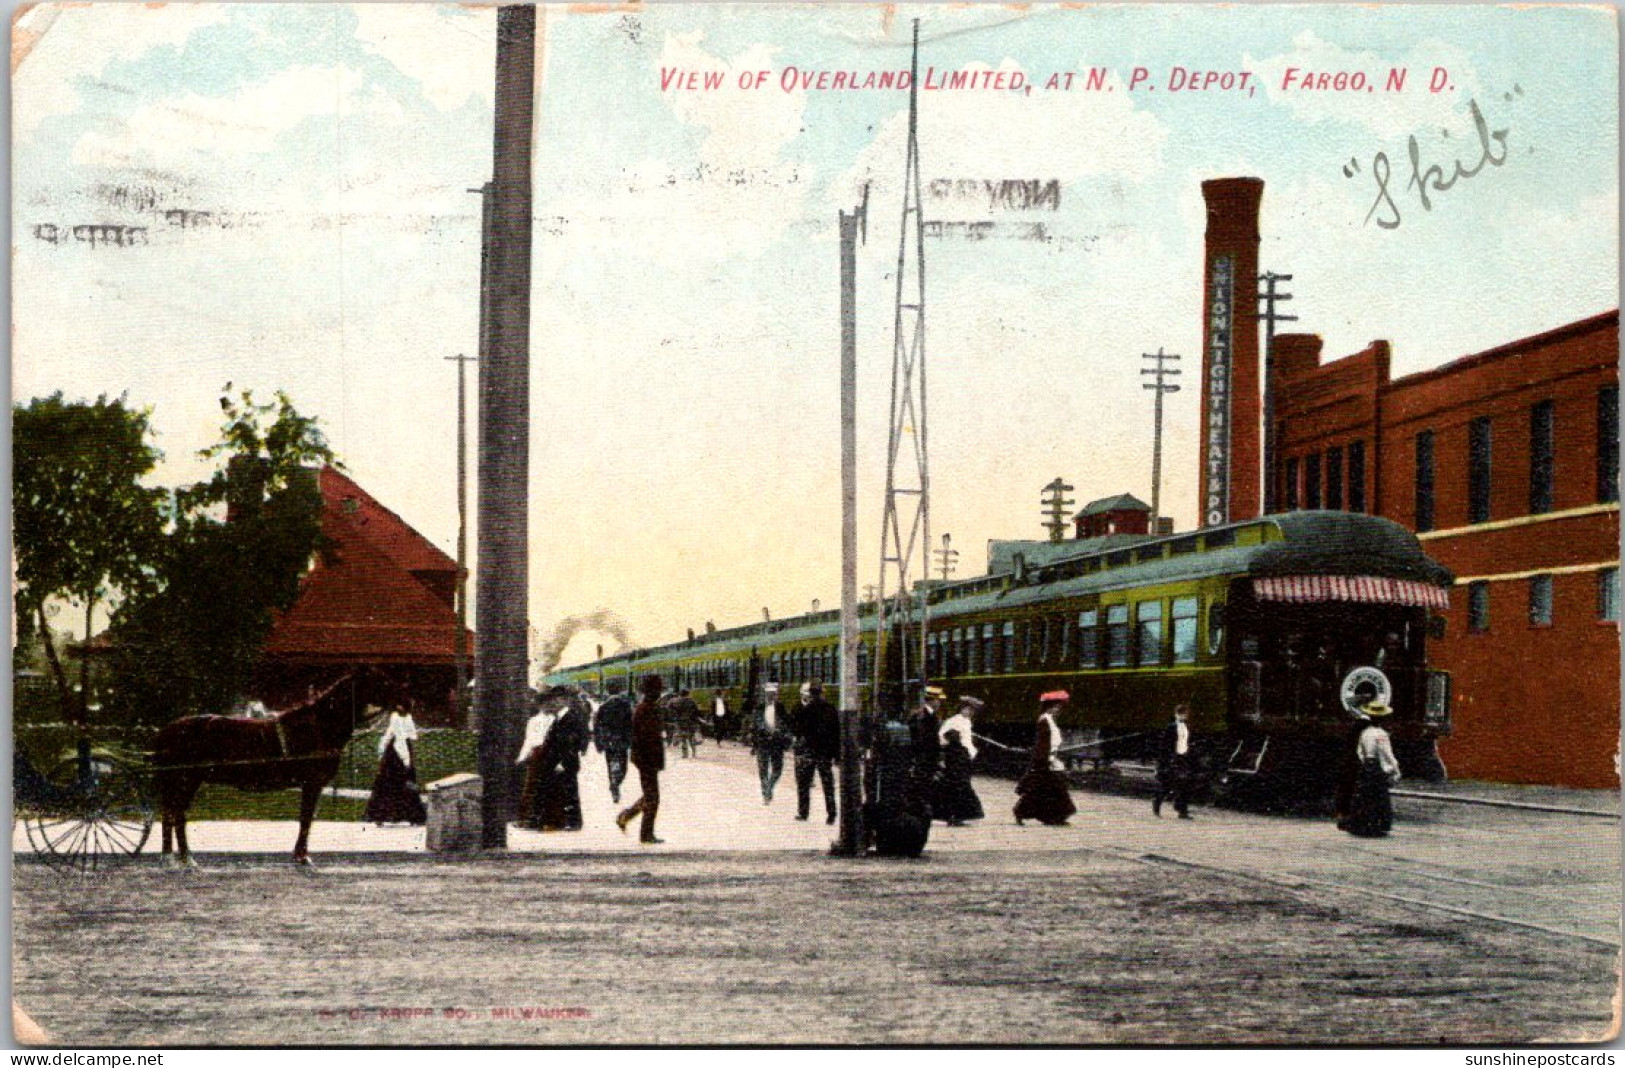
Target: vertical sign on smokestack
{"type": "Point", "coordinates": [1230, 402]}
{"type": "Point", "coordinates": [501, 649]}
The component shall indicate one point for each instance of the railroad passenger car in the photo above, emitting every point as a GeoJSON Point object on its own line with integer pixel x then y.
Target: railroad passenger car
{"type": "Point", "coordinates": [1270, 629]}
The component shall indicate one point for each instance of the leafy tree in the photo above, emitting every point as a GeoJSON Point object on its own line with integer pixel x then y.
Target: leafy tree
{"type": "Point", "coordinates": [240, 543]}
{"type": "Point", "coordinates": [85, 529]}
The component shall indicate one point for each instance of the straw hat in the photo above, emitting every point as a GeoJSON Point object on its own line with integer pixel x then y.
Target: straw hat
{"type": "Point", "coordinates": [1376, 709]}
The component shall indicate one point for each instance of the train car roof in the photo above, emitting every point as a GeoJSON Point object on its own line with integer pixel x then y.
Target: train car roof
{"type": "Point", "coordinates": [1310, 542]}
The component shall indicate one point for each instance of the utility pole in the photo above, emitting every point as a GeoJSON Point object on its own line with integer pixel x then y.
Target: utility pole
{"type": "Point", "coordinates": [854, 228]}
{"type": "Point", "coordinates": [1161, 387]}
{"type": "Point", "coordinates": [501, 647]}
{"type": "Point", "coordinates": [1056, 503]}
{"type": "Point", "coordinates": [947, 557]}
{"type": "Point", "coordinates": [1270, 317]}
{"type": "Point", "coordinates": [460, 646]}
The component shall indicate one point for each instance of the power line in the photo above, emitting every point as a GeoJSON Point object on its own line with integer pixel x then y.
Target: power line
{"type": "Point", "coordinates": [1270, 316]}
{"type": "Point", "coordinates": [1056, 504]}
{"type": "Point", "coordinates": [1161, 370]}
{"type": "Point", "coordinates": [947, 557]}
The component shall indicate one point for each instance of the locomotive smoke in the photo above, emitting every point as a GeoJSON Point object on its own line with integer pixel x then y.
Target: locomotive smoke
{"type": "Point", "coordinates": [603, 620]}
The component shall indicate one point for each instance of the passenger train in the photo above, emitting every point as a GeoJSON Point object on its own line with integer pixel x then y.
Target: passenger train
{"type": "Point", "coordinates": [1273, 630]}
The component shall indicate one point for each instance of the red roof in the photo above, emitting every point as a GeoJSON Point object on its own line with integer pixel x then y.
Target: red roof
{"type": "Point", "coordinates": [363, 602]}
{"type": "Point", "coordinates": [383, 528]}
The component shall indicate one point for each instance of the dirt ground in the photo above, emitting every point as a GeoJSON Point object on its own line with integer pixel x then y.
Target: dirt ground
{"type": "Point", "coordinates": [1054, 947]}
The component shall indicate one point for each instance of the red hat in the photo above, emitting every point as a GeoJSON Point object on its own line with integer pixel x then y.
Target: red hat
{"type": "Point", "coordinates": [1054, 695]}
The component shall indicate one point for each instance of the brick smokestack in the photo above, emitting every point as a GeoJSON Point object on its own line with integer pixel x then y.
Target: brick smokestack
{"type": "Point", "coordinates": [1231, 443]}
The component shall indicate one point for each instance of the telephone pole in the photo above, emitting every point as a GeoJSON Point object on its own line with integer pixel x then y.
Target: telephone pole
{"type": "Point", "coordinates": [947, 557]}
{"type": "Point", "coordinates": [1056, 503]}
{"type": "Point", "coordinates": [460, 646]}
{"type": "Point", "coordinates": [854, 228]}
{"type": "Point", "coordinates": [1160, 370]}
{"type": "Point", "coordinates": [1270, 317]}
{"type": "Point", "coordinates": [502, 662]}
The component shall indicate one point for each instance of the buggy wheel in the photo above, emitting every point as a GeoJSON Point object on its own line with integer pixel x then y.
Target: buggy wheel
{"type": "Point", "coordinates": [99, 815]}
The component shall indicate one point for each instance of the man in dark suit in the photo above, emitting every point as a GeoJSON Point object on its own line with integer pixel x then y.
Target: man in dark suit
{"type": "Point", "coordinates": [770, 737]}
{"type": "Point", "coordinates": [649, 757]}
{"type": "Point", "coordinates": [1176, 765]}
{"type": "Point", "coordinates": [817, 730]}
{"type": "Point", "coordinates": [612, 734]}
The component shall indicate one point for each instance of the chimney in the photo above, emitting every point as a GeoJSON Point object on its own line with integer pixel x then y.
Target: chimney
{"type": "Point", "coordinates": [1230, 402]}
{"type": "Point", "coordinates": [1296, 354]}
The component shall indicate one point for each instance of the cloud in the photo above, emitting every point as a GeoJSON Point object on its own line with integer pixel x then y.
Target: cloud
{"type": "Point", "coordinates": [1386, 114]}
{"type": "Point", "coordinates": [1001, 135]}
{"type": "Point", "coordinates": [188, 130]}
{"type": "Point", "coordinates": [72, 44]}
{"type": "Point", "coordinates": [449, 51]}
{"type": "Point", "coordinates": [731, 198]}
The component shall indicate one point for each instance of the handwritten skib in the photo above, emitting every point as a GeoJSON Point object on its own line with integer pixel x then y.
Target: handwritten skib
{"type": "Point", "coordinates": [1430, 178]}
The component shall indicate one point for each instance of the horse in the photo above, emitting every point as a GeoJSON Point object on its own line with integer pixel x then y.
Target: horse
{"type": "Point", "coordinates": [299, 747]}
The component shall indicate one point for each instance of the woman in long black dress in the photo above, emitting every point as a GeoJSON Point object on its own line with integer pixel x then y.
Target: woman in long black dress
{"type": "Point", "coordinates": [394, 789]}
{"type": "Point", "coordinates": [956, 801]}
{"type": "Point", "coordinates": [1042, 793]}
{"type": "Point", "coordinates": [1371, 812]}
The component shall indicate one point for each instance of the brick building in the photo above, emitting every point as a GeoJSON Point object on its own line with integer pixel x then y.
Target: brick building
{"type": "Point", "coordinates": [380, 603]}
{"type": "Point", "coordinates": [1506, 464]}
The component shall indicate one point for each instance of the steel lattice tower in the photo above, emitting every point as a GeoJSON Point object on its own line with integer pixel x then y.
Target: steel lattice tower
{"type": "Point", "coordinates": [908, 474]}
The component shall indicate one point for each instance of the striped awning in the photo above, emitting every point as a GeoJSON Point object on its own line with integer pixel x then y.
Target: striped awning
{"type": "Point", "coordinates": [1365, 589]}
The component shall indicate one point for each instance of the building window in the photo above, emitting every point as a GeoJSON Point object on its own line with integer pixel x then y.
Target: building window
{"type": "Point", "coordinates": [1089, 639]}
{"type": "Point", "coordinates": [1608, 443]}
{"type": "Point", "coordinates": [1148, 650]}
{"type": "Point", "coordinates": [1311, 480]}
{"type": "Point", "coordinates": [1540, 458]}
{"type": "Point", "coordinates": [1540, 601]}
{"type": "Point", "coordinates": [1608, 595]}
{"type": "Point", "coordinates": [1424, 480]}
{"type": "Point", "coordinates": [1334, 478]}
{"type": "Point", "coordinates": [1357, 476]}
{"type": "Point", "coordinates": [1478, 470]}
{"type": "Point", "coordinates": [1185, 630]}
{"type": "Point", "coordinates": [1290, 497]}
{"type": "Point", "coordinates": [1117, 635]}
{"type": "Point", "coordinates": [1478, 607]}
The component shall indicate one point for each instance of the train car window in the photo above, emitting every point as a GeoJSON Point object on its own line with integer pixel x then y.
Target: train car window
{"type": "Point", "coordinates": [931, 667]}
{"type": "Point", "coordinates": [1089, 638]}
{"type": "Point", "coordinates": [1119, 558]}
{"type": "Point", "coordinates": [1148, 552]}
{"type": "Point", "coordinates": [1215, 628]}
{"type": "Point", "coordinates": [971, 652]}
{"type": "Point", "coordinates": [1148, 647]}
{"type": "Point", "coordinates": [1182, 546]}
{"type": "Point", "coordinates": [990, 649]}
{"type": "Point", "coordinates": [1117, 635]}
{"type": "Point", "coordinates": [1010, 646]}
{"type": "Point", "coordinates": [1184, 615]}
{"type": "Point", "coordinates": [1046, 651]}
{"type": "Point", "coordinates": [1608, 595]}
{"type": "Point", "coordinates": [1219, 539]}
{"type": "Point", "coordinates": [1064, 625]}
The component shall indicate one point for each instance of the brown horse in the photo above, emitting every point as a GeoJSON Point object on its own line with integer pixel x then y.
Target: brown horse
{"type": "Point", "coordinates": [300, 747]}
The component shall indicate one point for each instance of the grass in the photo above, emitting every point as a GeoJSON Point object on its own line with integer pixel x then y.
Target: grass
{"type": "Point", "coordinates": [226, 803]}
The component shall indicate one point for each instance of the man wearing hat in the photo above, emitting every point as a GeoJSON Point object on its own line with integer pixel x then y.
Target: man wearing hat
{"type": "Point", "coordinates": [649, 757]}
{"type": "Point", "coordinates": [770, 738]}
{"type": "Point", "coordinates": [818, 746]}
{"type": "Point", "coordinates": [1042, 793]}
{"type": "Point", "coordinates": [1175, 760]}
{"type": "Point", "coordinates": [1371, 810]}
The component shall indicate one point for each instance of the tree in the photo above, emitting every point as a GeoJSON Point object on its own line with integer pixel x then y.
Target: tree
{"type": "Point", "coordinates": [239, 545]}
{"type": "Point", "coordinates": [85, 529]}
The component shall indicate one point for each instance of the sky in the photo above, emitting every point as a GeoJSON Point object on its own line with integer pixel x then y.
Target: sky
{"type": "Point", "coordinates": [283, 196]}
